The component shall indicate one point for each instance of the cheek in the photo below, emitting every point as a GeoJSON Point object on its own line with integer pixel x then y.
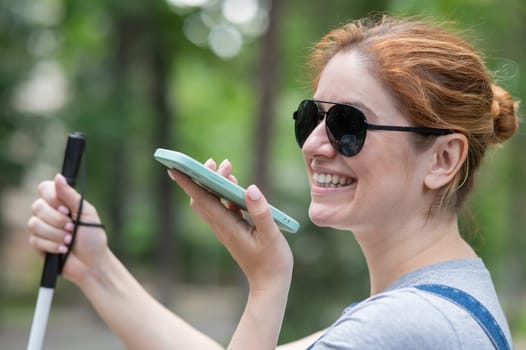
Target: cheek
{"type": "Point", "coordinates": [387, 161]}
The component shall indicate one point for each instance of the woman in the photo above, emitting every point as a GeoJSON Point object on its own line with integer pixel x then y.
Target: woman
{"type": "Point", "coordinates": [401, 117]}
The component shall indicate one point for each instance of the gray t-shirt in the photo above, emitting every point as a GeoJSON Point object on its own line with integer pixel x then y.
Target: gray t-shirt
{"type": "Point", "coordinates": [402, 317]}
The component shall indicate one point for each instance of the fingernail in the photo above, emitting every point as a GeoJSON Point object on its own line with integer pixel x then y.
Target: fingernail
{"type": "Point", "coordinates": [62, 249]}
{"type": "Point", "coordinates": [63, 210]}
{"type": "Point", "coordinates": [69, 226]}
{"type": "Point", "coordinates": [210, 163]}
{"type": "Point", "coordinates": [67, 239]}
{"type": "Point", "coordinates": [223, 163]}
{"type": "Point", "coordinates": [61, 179]}
{"type": "Point", "coordinates": [170, 174]}
{"type": "Point", "coordinates": [253, 192]}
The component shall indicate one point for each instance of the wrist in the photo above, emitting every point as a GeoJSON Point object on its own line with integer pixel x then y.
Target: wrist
{"type": "Point", "coordinates": [263, 316]}
{"type": "Point", "coordinates": [100, 274]}
{"type": "Point", "coordinates": [272, 281]}
{"type": "Point", "coordinates": [274, 291]}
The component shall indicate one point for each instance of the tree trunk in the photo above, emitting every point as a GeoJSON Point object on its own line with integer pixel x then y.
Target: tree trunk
{"type": "Point", "coordinates": [123, 33]}
{"type": "Point", "coordinates": [166, 240]}
{"type": "Point", "coordinates": [268, 84]}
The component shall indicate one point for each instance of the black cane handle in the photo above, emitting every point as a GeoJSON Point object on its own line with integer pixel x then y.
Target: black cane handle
{"type": "Point", "coordinates": [70, 168]}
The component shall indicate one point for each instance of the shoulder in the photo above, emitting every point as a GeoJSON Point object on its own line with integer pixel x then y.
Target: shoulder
{"type": "Point", "coordinates": [402, 319]}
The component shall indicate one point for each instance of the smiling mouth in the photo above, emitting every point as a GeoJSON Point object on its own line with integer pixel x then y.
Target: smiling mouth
{"type": "Point", "coordinates": [331, 180]}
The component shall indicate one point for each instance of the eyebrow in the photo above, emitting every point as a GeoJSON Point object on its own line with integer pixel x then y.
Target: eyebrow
{"type": "Point", "coordinates": [361, 107]}
{"type": "Point", "coordinates": [366, 110]}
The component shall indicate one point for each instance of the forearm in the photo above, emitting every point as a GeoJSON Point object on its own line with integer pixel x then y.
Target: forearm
{"type": "Point", "coordinates": [261, 321]}
{"type": "Point", "coordinates": [135, 316]}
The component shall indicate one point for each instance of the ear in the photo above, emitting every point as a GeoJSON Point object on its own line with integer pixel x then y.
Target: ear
{"type": "Point", "coordinates": [449, 152]}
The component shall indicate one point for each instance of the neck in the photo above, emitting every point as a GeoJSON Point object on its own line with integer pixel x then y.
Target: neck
{"type": "Point", "coordinates": [392, 253]}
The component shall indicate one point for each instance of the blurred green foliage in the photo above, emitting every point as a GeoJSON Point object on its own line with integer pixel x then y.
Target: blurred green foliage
{"type": "Point", "coordinates": [102, 56]}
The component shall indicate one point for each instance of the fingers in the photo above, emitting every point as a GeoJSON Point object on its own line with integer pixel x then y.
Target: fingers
{"type": "Point", "coordinates": [225, 170]}
{"type": "Point", "coordinates": [54, 217]}
{"type": "Point", "coordinates": [210, 164]}
{"type": "Point", "coordinates": [192, 189]}
{"type": "Point", "coordinates": [49, 225]}
{"type": "Point", "coordinates": [233, 179]}
{"type": "Point", "coordinates": [257, 205]}
{"type": "Point", "coordinates": [66, 194]}
{"type": "Point", "coordinates": [206, 204]}
{"type": "Point", "coordinates": [46, 190]}
{"type": "Point", "coordinates": [47, 238]}
{"type": "Point", "coordinates": [70, 198]}
{"type": "Point", "coordinates": [58, 193]}
{"type": "Point", "coordinates": [259, 210]}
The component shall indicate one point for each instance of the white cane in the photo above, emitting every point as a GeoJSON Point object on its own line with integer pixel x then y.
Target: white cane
{"type": "Point", "coordinates": [52, 265]}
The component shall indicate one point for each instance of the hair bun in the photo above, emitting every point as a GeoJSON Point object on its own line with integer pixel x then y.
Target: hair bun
{"type": "Point", "coordinates": [504, 115]}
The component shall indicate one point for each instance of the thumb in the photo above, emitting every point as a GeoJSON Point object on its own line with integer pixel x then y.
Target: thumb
{"type": "Point", "coordinates": [259, 210]}
{"type": "Point", "coordinates": [66, 194]}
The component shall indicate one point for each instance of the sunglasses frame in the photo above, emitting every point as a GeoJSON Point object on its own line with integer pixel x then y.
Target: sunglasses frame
{"type": "Point", "coordinates": [337, 143]}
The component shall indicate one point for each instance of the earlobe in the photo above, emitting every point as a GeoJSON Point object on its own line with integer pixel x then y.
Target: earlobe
{"type": "Point", "coordinates": [449, 153]}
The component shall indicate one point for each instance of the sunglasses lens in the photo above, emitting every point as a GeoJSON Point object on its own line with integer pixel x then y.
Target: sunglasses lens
{"type": "Point", "coordinates": [306, 118]}
{"type": "Point", "coordinates": [345, 126]}
{"type": "Point", "coordinates": [346, 129]}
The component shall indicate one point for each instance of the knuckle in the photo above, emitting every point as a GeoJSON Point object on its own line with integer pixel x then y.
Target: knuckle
{"type": "Point", "coordinates": [37, 206]}
{"type": "Point", "coordinates": [33, 241]}
{"type": "Point", "coordinates": [42, 186]}
{"type": "Point", "coordinates": [32, 224]}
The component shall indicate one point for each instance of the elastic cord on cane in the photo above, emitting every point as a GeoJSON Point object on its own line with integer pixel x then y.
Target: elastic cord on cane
{"type": "Point", "coordinates": [76, 222]}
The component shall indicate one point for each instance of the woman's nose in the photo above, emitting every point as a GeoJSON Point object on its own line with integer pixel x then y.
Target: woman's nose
{"type": "Point", "coordinates": [318, 143]}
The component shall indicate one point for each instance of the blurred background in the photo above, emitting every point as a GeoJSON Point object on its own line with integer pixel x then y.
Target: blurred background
{"type": "Point", "coordinates": [212, 78]}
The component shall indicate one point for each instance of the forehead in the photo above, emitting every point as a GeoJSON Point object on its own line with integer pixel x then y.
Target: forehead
{"type": "Point", "coordinates": [347, 78]}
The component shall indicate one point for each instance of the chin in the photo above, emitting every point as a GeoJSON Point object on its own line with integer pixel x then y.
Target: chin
{"type": "Point", "coordinates": [323, 218]}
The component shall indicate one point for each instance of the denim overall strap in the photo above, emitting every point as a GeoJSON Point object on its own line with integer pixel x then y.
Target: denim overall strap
{"type": "Point", "coordinates": [474, 308]}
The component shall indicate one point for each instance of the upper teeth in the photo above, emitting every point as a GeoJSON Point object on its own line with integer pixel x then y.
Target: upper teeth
{"type": "Point", "coordinates": [331, 179]}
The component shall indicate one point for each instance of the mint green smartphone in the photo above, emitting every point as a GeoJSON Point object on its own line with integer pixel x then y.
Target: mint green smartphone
{"type": "Point", "coordinates": [217, 184]}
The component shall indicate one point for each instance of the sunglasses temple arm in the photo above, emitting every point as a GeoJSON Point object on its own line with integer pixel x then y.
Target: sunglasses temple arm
{"type": "Point", "coordinates": [419, 130]}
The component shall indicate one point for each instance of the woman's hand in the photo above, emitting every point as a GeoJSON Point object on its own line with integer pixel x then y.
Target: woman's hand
{"type": "Point", "coordinates": [260, 249]}
{"type": "Point", "coordinates": [51, 228]}
{"type": "Point", "coordinates": [117, 297]}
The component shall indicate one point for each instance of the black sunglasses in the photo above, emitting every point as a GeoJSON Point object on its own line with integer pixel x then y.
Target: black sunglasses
{"type": "Point", "coordinates": [346, 126]}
